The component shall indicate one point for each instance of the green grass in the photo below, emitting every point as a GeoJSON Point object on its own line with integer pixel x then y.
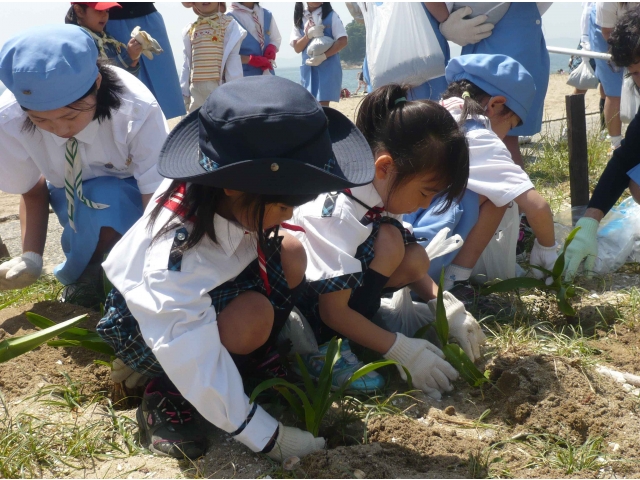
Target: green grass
{"type": "Point", "coordinates": [563, 454]}
{"type": "Point", "coordinates": [46, 288]}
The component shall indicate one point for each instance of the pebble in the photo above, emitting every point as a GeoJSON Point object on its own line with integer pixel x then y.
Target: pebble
{"type": "Point", "coordinates": [393, 439]}
{"type": "Point", "coordinates": [59, 362]}
{"type": "Point", "coordinates": [614, 446]}
{"type": "Point", "coordinates": [359, 474]}
{"type": "Point", "coordinates": [291, 463]}
{"type": "Point", "coordinates": [450, 410]}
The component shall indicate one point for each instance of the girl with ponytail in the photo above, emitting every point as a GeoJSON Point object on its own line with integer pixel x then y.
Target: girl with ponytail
{"type": "Point", "coordinates": [358, 248]}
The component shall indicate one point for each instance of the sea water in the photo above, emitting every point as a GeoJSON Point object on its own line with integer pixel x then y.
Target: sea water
{"type": "Point", "coordinates": [349, 77]}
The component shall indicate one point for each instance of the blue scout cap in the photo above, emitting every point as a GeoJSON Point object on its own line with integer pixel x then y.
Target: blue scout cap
{"type": "Point", "coordinates": [267, 135]}
{"type": "Point", "coordinates": [496, 75]}
{"type": "Point", "coordinates": [49, 67]}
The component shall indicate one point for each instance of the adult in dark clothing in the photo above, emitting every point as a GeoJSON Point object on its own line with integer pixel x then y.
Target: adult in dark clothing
{"type": "Point", "coordinates": [160, 74]}
{"type": "Point", "coordinates": [623, 170]}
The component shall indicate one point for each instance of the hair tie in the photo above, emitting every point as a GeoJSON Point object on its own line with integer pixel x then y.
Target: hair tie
{"type": "Point", "coordinates": [466, 95]}
{"type": "Point", "coordinates": [400, 100]}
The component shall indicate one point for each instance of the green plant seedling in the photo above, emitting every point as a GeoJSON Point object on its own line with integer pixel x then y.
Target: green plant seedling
{"type": "Point", "coordinates": [16, 346]}
{"type": "Point", "coordinates": [311, 404]}
{"type": "Point", "coordinates": [452, 352]}
{"type": "Point", "coordinates": [73, 337]}
{"type": "Point", "coordinates": [563, 290]}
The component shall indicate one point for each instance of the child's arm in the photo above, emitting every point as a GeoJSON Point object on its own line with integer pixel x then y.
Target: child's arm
{"type": "Point", "coordinates": [233, 65]}
{"type": "Point", "coordinates": [338, 45]}
{"type": "Point", "coordinates": [439, 10]}
{"type": "Point", "coordinates": [539, 216]}
{"type": "Point", "coordinates": [301, 43]}
{"type": "Point", "coordinates": [185, 75]}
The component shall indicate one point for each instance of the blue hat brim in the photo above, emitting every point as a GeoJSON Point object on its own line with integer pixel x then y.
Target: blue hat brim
{"type": "Point", "coordinates": [353, 163]}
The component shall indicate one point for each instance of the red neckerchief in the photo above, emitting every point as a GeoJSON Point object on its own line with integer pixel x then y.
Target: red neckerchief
{"type": "Point", "coordinates": [373, 213]}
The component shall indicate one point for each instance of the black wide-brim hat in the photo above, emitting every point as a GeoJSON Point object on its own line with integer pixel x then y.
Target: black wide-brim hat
{"type": "Point", "coordinates": [267, 135]}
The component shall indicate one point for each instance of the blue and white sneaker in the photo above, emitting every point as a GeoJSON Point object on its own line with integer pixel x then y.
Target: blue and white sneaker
{"type": "Point", "coordinates": [346, 366]}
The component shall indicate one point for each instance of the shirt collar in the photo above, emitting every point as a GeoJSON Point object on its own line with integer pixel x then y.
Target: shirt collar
{"type": "Point", "coordinates": [228, 234]}
{"type": "Point", "coordinates": [239, 6]}
{"type": "Point", "coordinates": [368, 195]}
{"type": "Point", "coordinates": [85, 136]}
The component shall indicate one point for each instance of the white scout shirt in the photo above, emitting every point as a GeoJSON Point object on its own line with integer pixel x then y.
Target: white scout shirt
{"type": "Point", "coordinates": [337, 27]}
{"type": "Point", "coordinates": [127, 144]}
{"type": "Point", "coordinates": [331, 242]}
{"type": "Point", "coordinates": [178, 321]}
{"type": "Point", "coordinates": [608, 13]}
{"type": "Point", "coordinates": [231, 68]}
{"type": "Point", "coordinates": [246, 18]}
{"type": "Point", "coordinates": [492, 172]}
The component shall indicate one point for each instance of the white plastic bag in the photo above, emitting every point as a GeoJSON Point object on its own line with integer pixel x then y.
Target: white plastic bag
{"type": "Point", "coordinates": [629, 100]}
{"type": "Point", "coordinates": [583, 77]}
{"type": "Point", "coordinates": [401, 45]}
{"type": "Point", "coordinates": [318, 46]}
{"type": "Point", "coordinates": [498, 260]}
{"type": "Point", "coordinates": [493, 10]}
{"type": "Point", "coordinates": [299, 332]}
{"type": "Point", "coordinates": [618, 234]}
{"type": "Point", "coordinates": [401, 314]}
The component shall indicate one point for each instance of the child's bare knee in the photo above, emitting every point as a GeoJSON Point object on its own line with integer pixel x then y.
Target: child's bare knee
{"type": "Point", "coordinates": [246, 323]}
{"type": "Point", "coordinates": [390, 244]}
{"type": "Point", "coordinates": [418, 261]}
{"type": "Point", "coordinates": [294, 260]}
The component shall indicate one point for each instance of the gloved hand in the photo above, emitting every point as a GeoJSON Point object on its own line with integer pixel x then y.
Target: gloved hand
{"type": "Point", "coordinates": [430, 372]}
{"type": "Point", "coordinates": [441, 245]}
{"type": "Point", "coordinates": [317, 60]}
{"type": "Point", "coordinates": [293, 441]}
{"type": "Point", "coordinates": [149, 44]}
{"type": "Point", "coordinates": [463, 31]}
{"type": "Point", "coordinates": [455, 273]}
{"type": "Point", "coordinates": [259, 61]}
{"type": "Point", "coordinates": [462, 326]}
{"type": "Point", "coordinates": [316, 31]}
{"type": "Point", "coordinates": [121, 373]}
{"type": "Point", "coordinates": [584, 247]}
{"type": "Point", "coordinates": [544, 257]}
{"type": "Point", "coordinates": [21, 271]}
{"type": "Point", "coordinates": [270, 52]}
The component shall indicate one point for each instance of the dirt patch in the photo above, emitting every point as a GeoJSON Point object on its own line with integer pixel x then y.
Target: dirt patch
{"type": "Point", "coordinates": [24, 375]}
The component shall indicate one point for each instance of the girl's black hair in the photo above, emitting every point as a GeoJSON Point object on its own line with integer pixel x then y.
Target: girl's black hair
{"type": "Point", "coordinates": [71, 17]}
{"type": "Point", "coordinates": [472, 102]}
{"type": "Point", "coordinates": [624, 42]}
{"type": "Point", "coordinates": [299, 9]}
{"type": "Point", "coordinates": [107, 97]}
{"type": "Point", "coordinates": [421, 136]}
{"type": "Point", "coordinates": [201, 203]}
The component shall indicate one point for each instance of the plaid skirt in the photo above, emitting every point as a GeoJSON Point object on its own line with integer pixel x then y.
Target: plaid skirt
{"type": "Point", "coordinates": [308, 304]}
{"type": "Point", "coordinates": [120, 329]}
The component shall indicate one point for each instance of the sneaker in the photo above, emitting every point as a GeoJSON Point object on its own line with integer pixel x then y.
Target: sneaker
{"type": "Point", "coordinates": [168, 425]}
{"type": "Point", "coordinates": [346, 366]}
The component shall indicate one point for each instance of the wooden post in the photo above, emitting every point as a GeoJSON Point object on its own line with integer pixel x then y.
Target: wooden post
{"type": "Point", "coordinates": [578, 156]}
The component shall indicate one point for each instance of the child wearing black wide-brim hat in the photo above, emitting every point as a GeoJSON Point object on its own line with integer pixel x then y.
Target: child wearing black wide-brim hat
{"type": "Point", "coordinates": [204, 282]}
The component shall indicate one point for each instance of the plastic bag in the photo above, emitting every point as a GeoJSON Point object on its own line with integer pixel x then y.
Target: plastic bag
{"type": "Point", "coordinates": [583, 77]}
{"type": "Point", "coordinates": [629, 100]}
{"type": "Point", "coordinates": [318, 46]}
{"type": "Point", "coordinates": [618, 236]}
{"type": "Point", "coordinates": [498, 260]}
{"type": "Point", "coordinates": [401, 314]}
{"type": "Point", "coordinates": [299, 332]}
{"type": "Point", "coordinates": [494, 11]}
{"type": "Point", "coordinates": [401, 44]}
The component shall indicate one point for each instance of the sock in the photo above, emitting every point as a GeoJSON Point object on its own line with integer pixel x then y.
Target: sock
{"type": "Point", "coordinates": [603, 124]}
{"type": "Point", "coordinates": [366, 298]}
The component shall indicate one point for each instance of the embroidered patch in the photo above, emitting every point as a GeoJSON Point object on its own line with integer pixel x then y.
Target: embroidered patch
{"type": "Point", "coordinates": [208, 164]}
{"type": "Point", "coordinates": [175, 257]}
{"type": "Point", "coordinates": [329, 204]}
{"type": "Point", "coordinates": [328, 167]}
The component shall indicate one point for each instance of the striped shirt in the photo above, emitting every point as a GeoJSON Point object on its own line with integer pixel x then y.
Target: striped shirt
{"type": "Point", "coordinates": [207, 47]}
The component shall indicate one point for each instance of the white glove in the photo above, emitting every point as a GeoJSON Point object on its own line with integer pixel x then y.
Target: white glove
{"type": "Point", "coordinates": [462, 326]}
{"type": "Point", "coordinates": [316, 31]}
{"type": "Point", "coordinates": [441, 245]}
{"type": "Point", "coordinates": [455, 273]}
{"type": "Point", "coordinates": [21, 271]}
{"type": "Point", "coordinates": [430, 372]}
{"type": "Point", "coordinates": [317, 60]}
{"type": "Point", "coordinates": [149, 44]}
{"type": "Point", "coordinates": [294, 442]}
{"type": "Point", "coordinates": [463, 31]}
{"type": "Point", "coordinates": [121, 373]}
{"type": "Point", "coordinates": [543, 257]}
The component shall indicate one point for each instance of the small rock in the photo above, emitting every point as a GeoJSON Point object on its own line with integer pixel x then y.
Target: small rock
{"type": "Point", "coordinates": [59, 362]}
{"type": "Point", "coordinates": [393, 439]}
{"type": "Point", "coordinates": [450, 410]}
{"type": "Point", "coordinates": [627, 387]}
{"type": "Point", "coordinates": [119, 467]}
{"type": "Point", "coordinates": [359, 474]}
{"type": "Point", "coordinates": [614, 446]}
{"type": "Point", "coordinates": [291, 463]}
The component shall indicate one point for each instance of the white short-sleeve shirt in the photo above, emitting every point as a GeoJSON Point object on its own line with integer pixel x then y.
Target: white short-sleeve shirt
{"type": "Point", "coordinates": [337, 27]}
{"type": "Point", "coordinates": [177, 318]}
{"type": "Point", "coordinates": [245, 17]}
{"type": "Point", "coordinates": [331, 241]}
{"type": "Point", "coordinates": [492, 172]}
{"type": "Point", "coordinates": [608, 13]}
{"type": "Point", "coordinates": [128, 144]}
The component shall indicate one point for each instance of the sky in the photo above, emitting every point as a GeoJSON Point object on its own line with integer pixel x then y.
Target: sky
{"type": "Point", "coordinates": [561, 23]}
